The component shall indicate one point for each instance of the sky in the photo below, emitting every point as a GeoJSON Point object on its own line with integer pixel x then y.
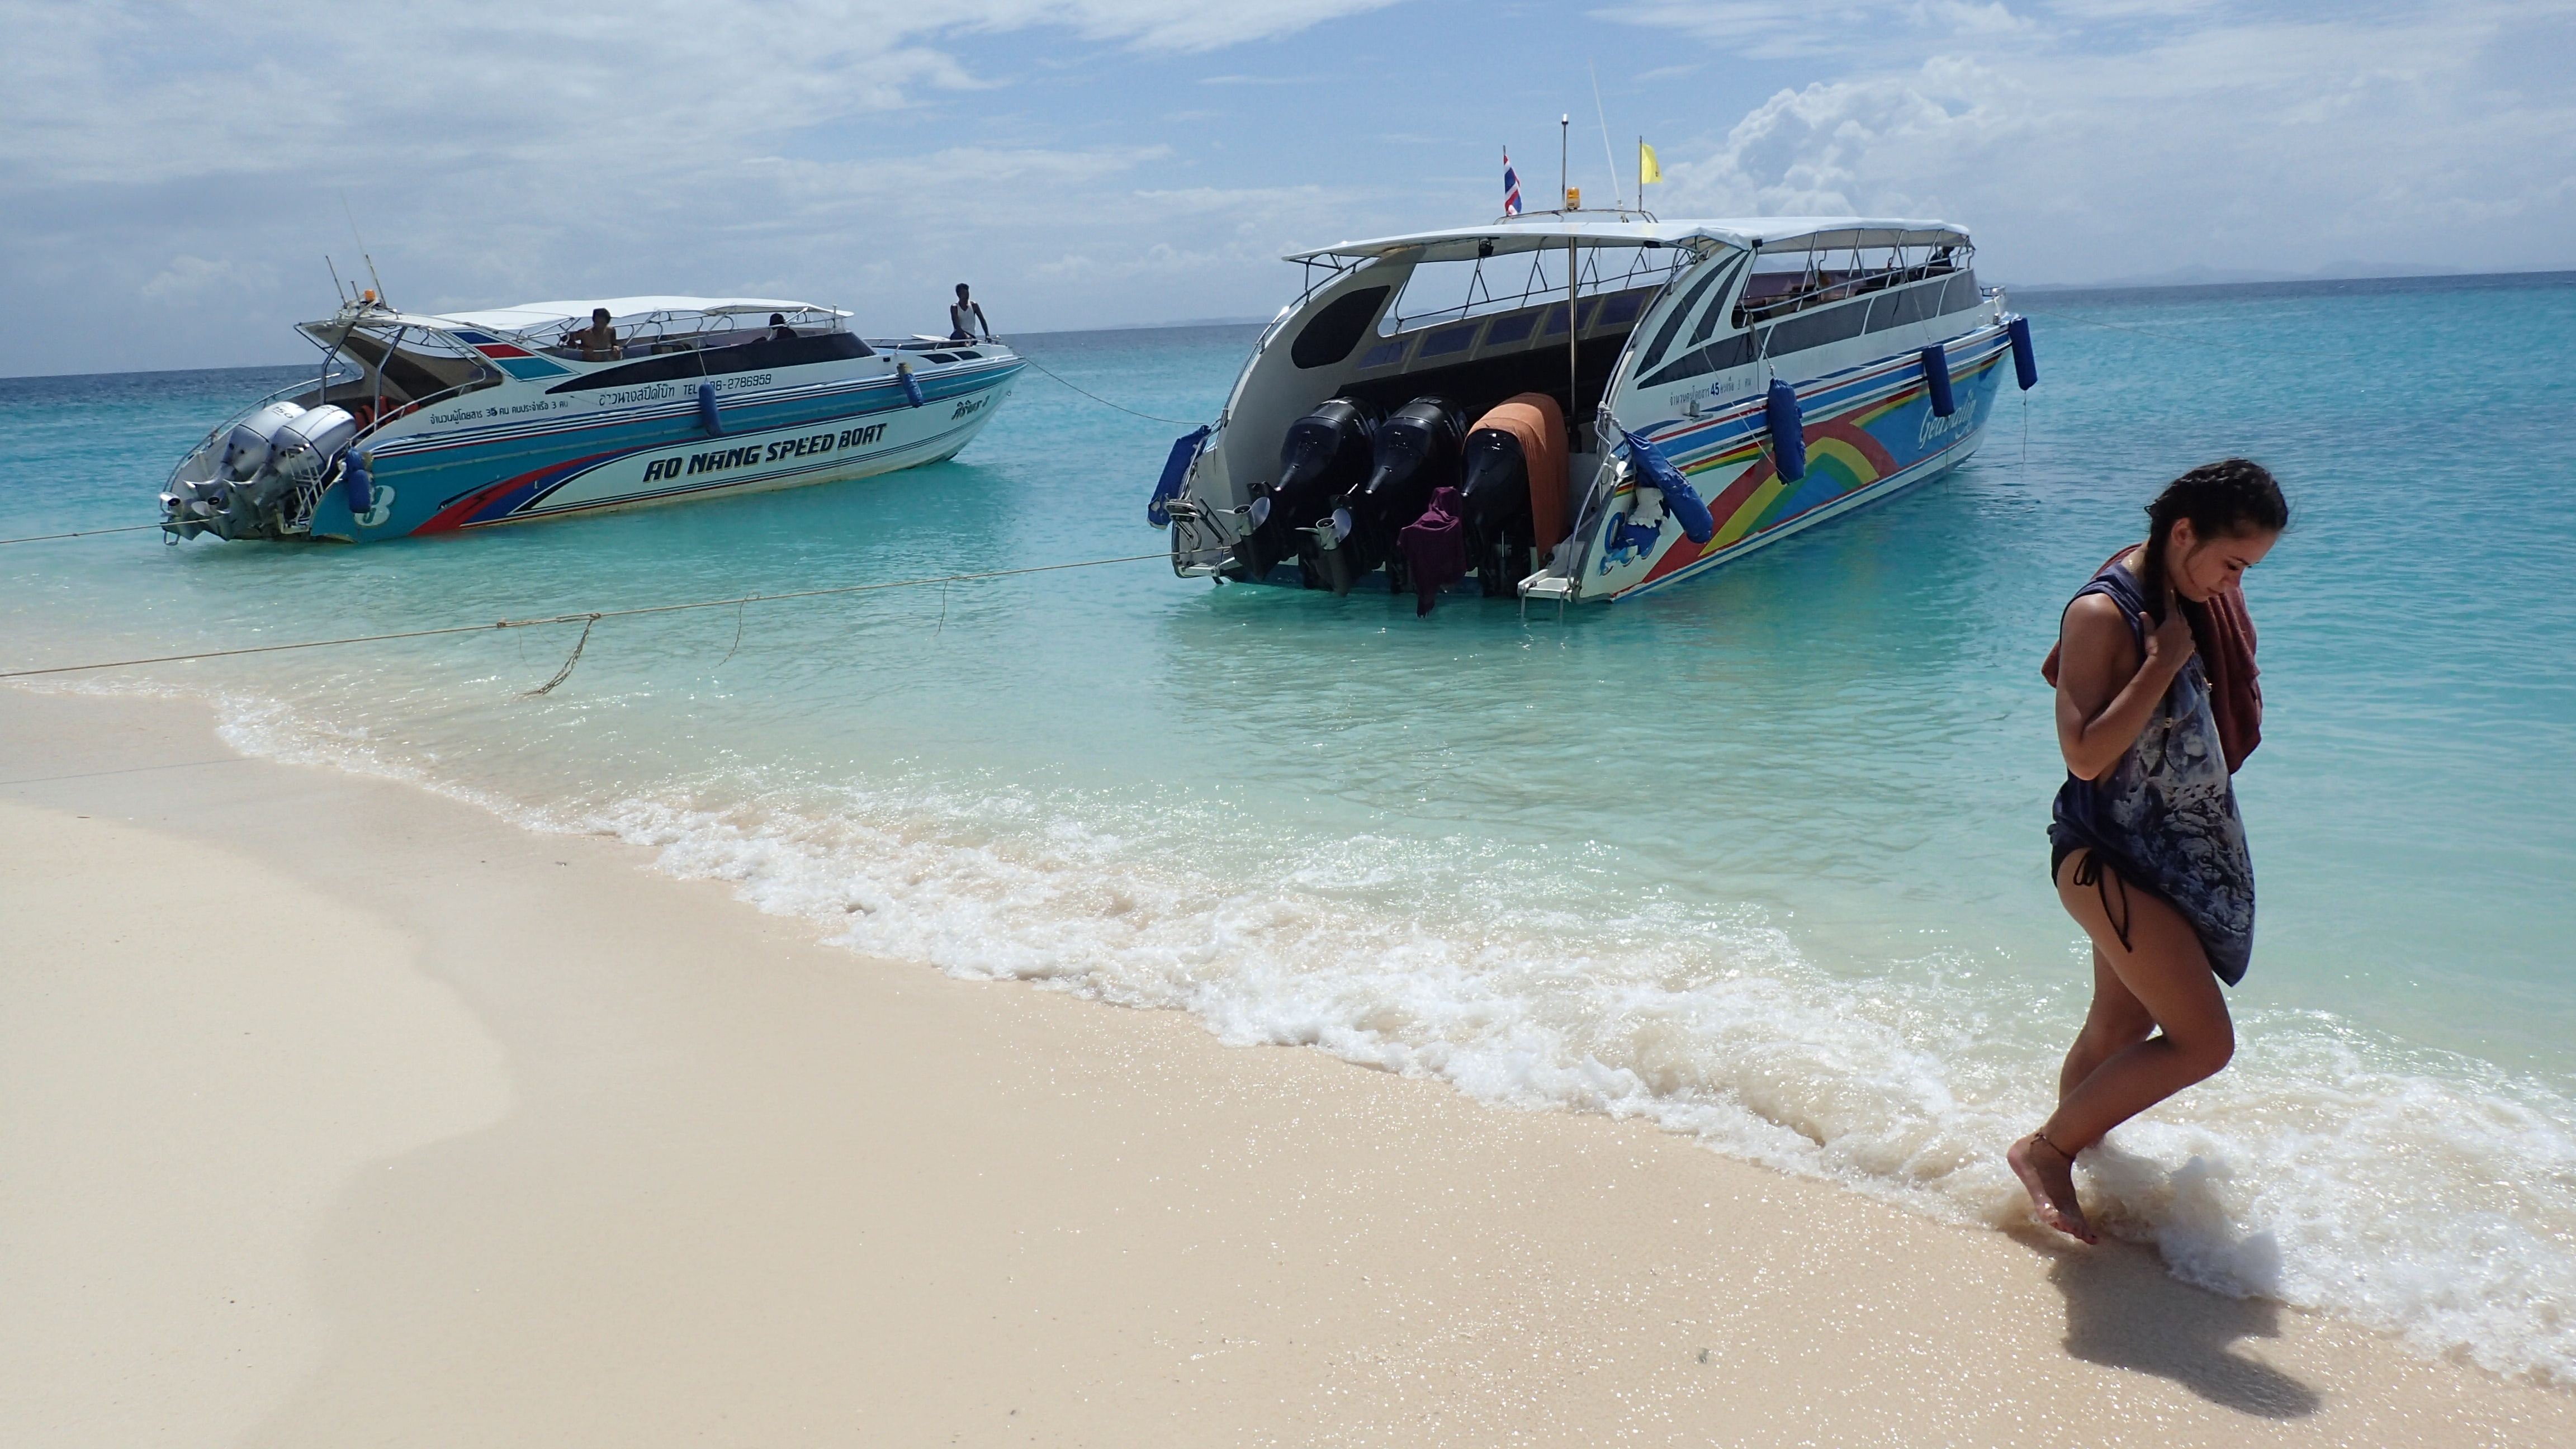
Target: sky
{"type": "Point", "coordinates": [172, 175]}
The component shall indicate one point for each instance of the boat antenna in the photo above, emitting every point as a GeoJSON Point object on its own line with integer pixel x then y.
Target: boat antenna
{"type": "Point", "coordinates": [1616, 198]}
{"type": "Point", "coordinates": [362, 249]}
{"type": "Point", "coordinates": [337, 290]}
{"type": "Point", "coordinates": [1564, 128]}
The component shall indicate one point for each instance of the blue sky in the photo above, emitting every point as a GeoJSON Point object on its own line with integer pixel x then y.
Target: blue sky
{"type": "Point", "coordinates": [173, 173]}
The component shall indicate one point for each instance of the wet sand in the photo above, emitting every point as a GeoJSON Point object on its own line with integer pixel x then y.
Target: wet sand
{"type": "Point", "coordinates": [336, 1111]}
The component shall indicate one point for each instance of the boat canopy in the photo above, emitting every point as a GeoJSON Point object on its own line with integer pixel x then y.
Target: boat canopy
{"type": "Point", "coordinates": [1544, 230]}
{"type": "Point", "coordinates": [534, 316]}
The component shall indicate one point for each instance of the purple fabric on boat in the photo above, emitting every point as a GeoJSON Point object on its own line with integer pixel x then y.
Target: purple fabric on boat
{"type": "Point", "coordinates": [1435, 549]}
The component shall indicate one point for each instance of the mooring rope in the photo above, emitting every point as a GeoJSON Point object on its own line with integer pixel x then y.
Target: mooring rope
{"type": "Point", "coordinates": [587, 619]}
{"type": "Point", "coordinates": [1104, 402]}
{"type": "Point", "coordinates": [83, 533]}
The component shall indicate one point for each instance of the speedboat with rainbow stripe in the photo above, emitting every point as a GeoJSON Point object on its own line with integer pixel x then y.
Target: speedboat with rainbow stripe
{"type": "Point", "coordinates": [420, 424]}
{"type": "Point", "coordinates": [1743, 380]}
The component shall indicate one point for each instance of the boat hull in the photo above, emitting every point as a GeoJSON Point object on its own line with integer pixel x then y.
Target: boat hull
{"type": "Point", "coordinates": [481, 467]}
{"type": "Point", "coordinates": [1870, 433]}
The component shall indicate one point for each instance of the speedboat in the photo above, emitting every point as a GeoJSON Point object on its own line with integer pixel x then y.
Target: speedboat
{"type": "Point", "coordinates": [421, 423]}
{"type": "Point", "coordinates": [1716, 386]}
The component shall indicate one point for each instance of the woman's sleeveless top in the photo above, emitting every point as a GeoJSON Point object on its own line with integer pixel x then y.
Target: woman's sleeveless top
{"type": "Point", "coordinates": [2166, 819]}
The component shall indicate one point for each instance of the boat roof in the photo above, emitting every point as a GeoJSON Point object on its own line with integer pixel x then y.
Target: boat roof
{"type": "Point", "coordinates": [1532, 231]}
{"type": "Point", "coordinates": [528, 316]}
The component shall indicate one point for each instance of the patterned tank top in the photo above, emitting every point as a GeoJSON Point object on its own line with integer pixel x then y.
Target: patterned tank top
{"type": "Point", "coordinates": [2165, 818]}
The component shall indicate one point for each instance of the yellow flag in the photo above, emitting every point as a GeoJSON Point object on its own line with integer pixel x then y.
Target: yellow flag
{"type": "Point", "coordinates": [1647, 170]}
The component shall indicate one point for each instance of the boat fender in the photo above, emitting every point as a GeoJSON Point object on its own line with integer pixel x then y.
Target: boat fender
{"type": "Point", "coordinates": [1681, 500]}
{"type": "Point", "coordinates": [359, 484]}
{"type": "Point", "coordinates": [2025, 363]}
{"type": "Point", "coordinates": [911, 385]}
{"type": "Point", "coordinates": [1788, 430]}
{"type": "Point", "coordinates": [707, 417]}
{"type": "Point", "coordinates": [1176, 474]}
{"type": "Point", "coordinates": [1936, 375]}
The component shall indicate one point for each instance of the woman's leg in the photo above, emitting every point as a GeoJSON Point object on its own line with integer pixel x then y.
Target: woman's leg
{"type": "Point", "coordinates": [2161, 969]}
{"type": "Point", "coordinates": [2116, 1021]}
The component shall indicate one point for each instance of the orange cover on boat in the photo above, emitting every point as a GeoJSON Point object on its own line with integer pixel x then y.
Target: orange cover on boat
{"type": "Point", "coordinates": [1535, 419]}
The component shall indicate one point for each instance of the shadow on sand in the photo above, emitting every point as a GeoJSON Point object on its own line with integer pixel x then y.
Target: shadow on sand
{"type": "Point", "coordinates": [2123, 1310]}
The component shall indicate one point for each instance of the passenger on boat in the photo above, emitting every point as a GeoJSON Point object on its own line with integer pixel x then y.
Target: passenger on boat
{"type": "Point", "coordinates": [598, 341]}
{"type": "Point", "coordinates": [966, 319]}
{"type": "Point", "coordinates": [779, 331]}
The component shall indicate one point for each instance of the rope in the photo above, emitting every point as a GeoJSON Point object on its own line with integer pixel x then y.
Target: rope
{"type": "Point", "coordinates": [84, 533]}
{"type": "Point", "coordinates": [584, 619]}
{"type": "Point", "coordinates": [1104, 402]}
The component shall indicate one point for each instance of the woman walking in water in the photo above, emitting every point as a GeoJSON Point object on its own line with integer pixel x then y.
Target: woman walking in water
{"type": "Point", "coordinates": [2144, 842]}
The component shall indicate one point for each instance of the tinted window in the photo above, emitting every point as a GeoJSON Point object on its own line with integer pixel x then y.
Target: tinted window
{"type": "Point", "coordinates": [1664, 337]}
{"type": "Point", "coordinates": [716, 361]}
{"type": "Point", "coordinates": [1815, 329]}
{"type": "Point", "coordinates": [1620, 310]}
{"type": "Point", "coordinates": [1514, 328]}
{"type": "Point", "coordinates": [1709, 357]}
{"type": "Point", "coordinates": [1337, 328]}
{"type": "Point", "coordinates": [1449, 339]}
{"type": "Point", "coordinates": [1962, 294]}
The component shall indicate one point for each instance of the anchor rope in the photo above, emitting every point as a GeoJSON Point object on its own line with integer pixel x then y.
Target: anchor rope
{"type": "Point", "coordinates": [82, 533]}
{"type": "Point", "coordinates": [586, 618]}
{"type": "Point", "coordinates": [1104, 402]}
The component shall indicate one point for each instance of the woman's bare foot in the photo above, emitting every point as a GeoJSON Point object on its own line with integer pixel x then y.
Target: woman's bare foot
{"type": "Point", "coordinates": [2048, 1175]}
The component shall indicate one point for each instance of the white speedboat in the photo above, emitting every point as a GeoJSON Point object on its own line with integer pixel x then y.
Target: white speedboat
{"type": "Point", "coordinates": [431, 424]}
{"type": "Point", "coordinates": [1725, 384]}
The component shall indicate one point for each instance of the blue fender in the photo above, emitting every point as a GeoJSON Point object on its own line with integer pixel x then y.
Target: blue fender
{"type": "Point", "coordinates": [1936, 375]}
{"type": "Point", "coordinates": [2025, 362]}
{"type": "Point", "coordinates": [1788, 430]}
{"type": "Point", "coordinates": [911, 384]}
{"type": "Point", "coordinates": [1681, 500]}
{"type": "Point", "coordinates": [1176, 471]}
{"type": "Point", "coordinates": [707, 417]}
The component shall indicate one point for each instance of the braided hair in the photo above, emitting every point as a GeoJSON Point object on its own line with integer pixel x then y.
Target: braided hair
{"type": "Point", "coordinates": [2229, 498]}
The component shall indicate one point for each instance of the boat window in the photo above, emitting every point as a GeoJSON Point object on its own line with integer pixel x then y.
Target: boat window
{"type": "Point", "coordinates": [1337, 328]}
{"type": "Point", "coordinates": [1663, 342]}
{"type": "Point", "coordinates": [756, 355]}
{"type": "Point", "coordinates": [939, 357]}
{"type": "Point", "coordinates": [1450, 339]}
{"type": "Point", "coordinates": [1386, 352]}
{"type": "Point", "coordinates": [1514, 328]}
{"type": "Point", "coordinates": [1816, 329]}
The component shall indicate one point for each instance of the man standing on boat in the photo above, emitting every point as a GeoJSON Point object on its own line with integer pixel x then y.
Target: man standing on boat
{"type": "Point", "coordinates": [966, 319]}
{"type": "Point", "coordinates": [598, 341]}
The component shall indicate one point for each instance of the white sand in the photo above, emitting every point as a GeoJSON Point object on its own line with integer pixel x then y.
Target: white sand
{"type": "Point", "coordinates": [335, 1113]}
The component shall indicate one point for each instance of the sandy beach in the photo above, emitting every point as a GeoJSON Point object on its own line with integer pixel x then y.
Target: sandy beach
{"type": "Point", "coordinates": [337, 1112]}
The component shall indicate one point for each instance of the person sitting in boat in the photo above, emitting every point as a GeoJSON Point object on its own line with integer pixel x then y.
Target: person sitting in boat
{"type": "Point", "coordinates": [779, 331]}
{"type": "Point", "coordinates": [598, 341]}
{"type": "Point", "coordinates": [966, 318]}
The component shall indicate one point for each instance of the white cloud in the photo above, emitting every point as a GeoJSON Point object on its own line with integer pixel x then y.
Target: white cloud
{"type": "Point", "coordinates": [2279, 142]}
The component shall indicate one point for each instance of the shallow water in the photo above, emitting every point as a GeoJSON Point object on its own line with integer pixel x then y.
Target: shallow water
{"type": "Point", "coordinates": [1760, 858]}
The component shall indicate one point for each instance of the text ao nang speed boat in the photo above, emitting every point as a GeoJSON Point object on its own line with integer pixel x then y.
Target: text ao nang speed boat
{"type": "Point", "coordinates": [1743, 380]}
{"type": "Point", "coordinates": [429, 424]}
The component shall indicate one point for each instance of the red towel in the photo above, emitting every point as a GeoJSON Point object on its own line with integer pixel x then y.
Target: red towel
{"type": "Point", "coordinates": [2223, 631]}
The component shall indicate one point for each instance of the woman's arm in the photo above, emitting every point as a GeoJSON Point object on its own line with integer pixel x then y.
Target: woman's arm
{"type": "Point", "coordinates": [2104, 690]}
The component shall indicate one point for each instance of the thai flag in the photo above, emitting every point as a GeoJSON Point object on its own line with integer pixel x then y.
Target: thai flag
{"type": "Point", "coordinates": [1511, 188]}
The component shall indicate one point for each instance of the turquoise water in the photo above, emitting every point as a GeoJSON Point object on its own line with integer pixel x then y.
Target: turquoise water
{"type": "Point", "coordinates": [1759, 858]}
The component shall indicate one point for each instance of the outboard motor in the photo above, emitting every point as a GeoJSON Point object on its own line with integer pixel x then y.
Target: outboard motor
{"type": "Point", "coordinates": [1417, 451]}
{"type": "Point", "coordinates": [1325, 455]}
{"type": "Point", "coordinates": [1497, 505]}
